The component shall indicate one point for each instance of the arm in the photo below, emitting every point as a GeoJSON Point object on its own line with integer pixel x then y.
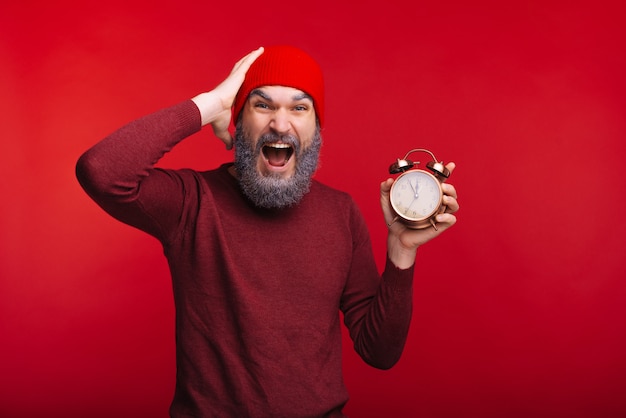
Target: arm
{"type": "Point", "coordinates": [379, 324]}
{"type": "Point", "coordinates": [118, 172]}
{"type": "Point", "coordinates": [378, 312]}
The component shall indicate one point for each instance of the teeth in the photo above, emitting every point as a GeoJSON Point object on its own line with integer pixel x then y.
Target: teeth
{"type": "Point", "coordinates": [278, 145]}
{"type": "Point", "coordinates": [281, 151]}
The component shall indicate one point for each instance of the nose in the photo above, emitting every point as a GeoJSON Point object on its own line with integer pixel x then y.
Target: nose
{"type": "Point", "coordinates": [280, 122]}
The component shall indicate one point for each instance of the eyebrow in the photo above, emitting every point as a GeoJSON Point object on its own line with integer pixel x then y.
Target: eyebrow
{"type": "Point", "coordinates": [265, 96]}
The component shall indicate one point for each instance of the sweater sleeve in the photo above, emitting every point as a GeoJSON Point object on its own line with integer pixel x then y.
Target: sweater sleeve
{"type": "Point", "coordinates": [377, 310]}
{"type": "Point", "coordinates": [118, 172]}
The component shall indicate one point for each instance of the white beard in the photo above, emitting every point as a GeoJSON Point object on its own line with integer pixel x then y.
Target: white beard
{"type": "Point", "coordinates": [273, 192]}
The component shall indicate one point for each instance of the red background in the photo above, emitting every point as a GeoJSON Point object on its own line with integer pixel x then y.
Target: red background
{"type": "Point", "coordinates": [519, 309]}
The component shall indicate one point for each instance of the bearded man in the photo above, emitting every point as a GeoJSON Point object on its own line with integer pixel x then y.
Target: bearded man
{"type": "Point", "coordinates": [262, 256]}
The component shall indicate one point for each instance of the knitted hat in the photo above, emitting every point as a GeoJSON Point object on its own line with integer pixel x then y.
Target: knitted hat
{"type": "Point", "coordinates": [284, 66]}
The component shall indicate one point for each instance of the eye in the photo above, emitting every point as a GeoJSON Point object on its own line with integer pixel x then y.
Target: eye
{"type": "Point", "coordinates": [300, 108]}
{"type": "Point", "coordinates": [261, 105]}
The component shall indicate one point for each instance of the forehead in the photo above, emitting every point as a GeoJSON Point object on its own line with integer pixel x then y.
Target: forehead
{"type": "Point", "coordinates": [279, 93]}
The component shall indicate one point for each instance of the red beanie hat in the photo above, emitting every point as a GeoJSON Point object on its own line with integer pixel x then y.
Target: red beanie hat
{"type": "Point", "coordinates": [284, 66]}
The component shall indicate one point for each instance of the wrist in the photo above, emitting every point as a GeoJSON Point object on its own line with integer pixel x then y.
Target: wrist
{"type": "Point", "coordinates": [209, 105]}
{"type": "Point", "coordinates": [402, 257]}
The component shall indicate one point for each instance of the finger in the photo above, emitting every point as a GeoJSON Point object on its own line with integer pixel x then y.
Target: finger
{"type": "Point", "coordinates": [449, 190]}
{"type": "Point", "coordinates": [244, 63]}
{"type": "Point", "coordinates": [225, 137]}
{"type": "Point", "coordinates": [385, 202]}
{"type": "Point", "coordinates": [385, 186]}
{"type": "Point", "coordinates": [445, 221]}
{"type": "Point", "coordinates": [451, 166]}
{"type": "Point", "coordinates": [451, 204]}
{"type": "Point", "coordinates": [228, 141]}
{"type": "Point", "coordinates": [449, 198]}
{"type": "Point", "coordinates": [228, 88]}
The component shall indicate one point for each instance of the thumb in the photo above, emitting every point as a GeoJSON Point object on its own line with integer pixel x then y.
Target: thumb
{"type": "Point", "coordinates": [221, 126]}
{"type": "Point", "coordinates": [226, 138]}
{"type": "Point", "coordinates": [385, 201]}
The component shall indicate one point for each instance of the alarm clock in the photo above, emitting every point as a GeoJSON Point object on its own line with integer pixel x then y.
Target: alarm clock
{"type": "Point", "coordinates": [416, 195]}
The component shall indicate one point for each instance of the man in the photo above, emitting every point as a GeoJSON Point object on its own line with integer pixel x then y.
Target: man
{"type": "Point", "coordinates": [262, 257]}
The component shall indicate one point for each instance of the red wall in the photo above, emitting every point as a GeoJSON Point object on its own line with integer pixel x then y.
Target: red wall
{"type": "Point", "coordinates": [520, 309]}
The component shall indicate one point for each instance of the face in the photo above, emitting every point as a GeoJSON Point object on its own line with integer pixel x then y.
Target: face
{"type": "Point", "coordinates": [277, 143]}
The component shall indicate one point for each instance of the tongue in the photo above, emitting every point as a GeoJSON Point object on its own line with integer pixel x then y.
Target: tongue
{"type": "Point", "coordinates": [276, 156]}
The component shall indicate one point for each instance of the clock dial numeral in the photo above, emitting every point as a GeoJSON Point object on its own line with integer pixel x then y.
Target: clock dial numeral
{"type": "Point", "coordinates": [416, 195]}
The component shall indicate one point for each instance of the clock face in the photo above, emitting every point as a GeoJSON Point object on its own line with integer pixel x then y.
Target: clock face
{"type": "Point", "coordinates": [416, 195]}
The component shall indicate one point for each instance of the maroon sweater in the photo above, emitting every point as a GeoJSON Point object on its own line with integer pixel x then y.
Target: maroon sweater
{"type": "Point", "coordinates": [257, 292]}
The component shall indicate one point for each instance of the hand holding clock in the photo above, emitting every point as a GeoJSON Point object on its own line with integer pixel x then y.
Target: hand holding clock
{"type": "Point", "coordinates": [402, 241]}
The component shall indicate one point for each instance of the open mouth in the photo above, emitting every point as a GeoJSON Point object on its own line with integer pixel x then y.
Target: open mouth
{"type": "Point", "coordinates": [277, 153]}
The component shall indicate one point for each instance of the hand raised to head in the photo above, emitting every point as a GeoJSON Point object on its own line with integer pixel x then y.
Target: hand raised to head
{"type": "Point", "coordinates": [215, 106]}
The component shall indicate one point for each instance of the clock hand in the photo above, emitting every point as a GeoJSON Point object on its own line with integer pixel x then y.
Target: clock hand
{"type": "Point", "coordinates": [410, 204]}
